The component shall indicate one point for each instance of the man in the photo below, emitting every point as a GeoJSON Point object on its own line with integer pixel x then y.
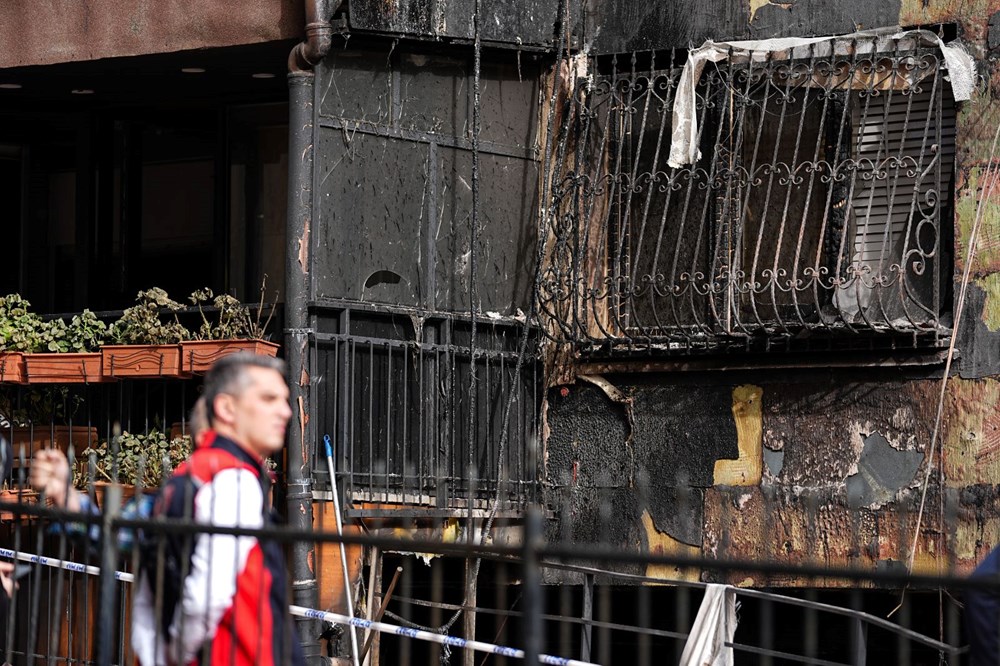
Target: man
{"type": "Point", "coordinates": [217, 598]}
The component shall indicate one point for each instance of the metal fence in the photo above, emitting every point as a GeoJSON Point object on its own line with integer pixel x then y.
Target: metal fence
{"type": "Point", "coordinates": [814, 211]}
{"type": "Point", "coordinates": [74, 604]}
{"type": "Point", "coordinates": [416, 423]}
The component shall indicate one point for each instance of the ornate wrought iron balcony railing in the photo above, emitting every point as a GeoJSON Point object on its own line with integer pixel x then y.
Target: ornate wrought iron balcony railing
{"type": "Point", "coordinates": [818, 214]}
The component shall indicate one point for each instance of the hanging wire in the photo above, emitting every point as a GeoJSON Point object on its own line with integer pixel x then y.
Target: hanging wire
{"type": "Point", "coordinates": [531, 314]}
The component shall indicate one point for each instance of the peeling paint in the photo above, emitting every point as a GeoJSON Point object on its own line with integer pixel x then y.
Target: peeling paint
{"type": "Point", "coordinates": [757, 5]}
{"type": "Point", "coordinates": [661, 543]}
{"type": "Point", "coordinates": [746, 470]}
{"type": "Point", "coordinates": [303, 254]}
{"type": "Point", "coordinates": [774, 461]}
{"type": "Point", "coordinates": [610, 390]}
{"type": "Point", "coordinates": [882, 472]}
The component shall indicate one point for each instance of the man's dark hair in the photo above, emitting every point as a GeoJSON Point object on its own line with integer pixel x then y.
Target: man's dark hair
{"type": "Point", "coordinates": [229, 375]}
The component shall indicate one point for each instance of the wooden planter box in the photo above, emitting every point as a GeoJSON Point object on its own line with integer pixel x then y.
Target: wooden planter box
{"type": "Point", "coordinates": [141, 361]}
{"type": "Point", "coordinates": [12, 496]}
{"type": "Point", "coordinates": [12, 368]}
{"type": "Point", "coordinates": [70, 368]}
{"type": "Point", "coordinates": [52, 437]}
{"type": "Point", "coordinates": [198, 356]}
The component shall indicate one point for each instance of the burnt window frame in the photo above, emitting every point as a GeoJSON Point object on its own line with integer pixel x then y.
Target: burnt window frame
{"type": "Point", "coordinates": [594, 311]}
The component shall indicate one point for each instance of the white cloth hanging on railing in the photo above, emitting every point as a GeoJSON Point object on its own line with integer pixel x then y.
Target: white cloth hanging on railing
{"type": "Point", "coordinates": [684, 134]}
{"type": "Point", "coordinates": [713, 628]}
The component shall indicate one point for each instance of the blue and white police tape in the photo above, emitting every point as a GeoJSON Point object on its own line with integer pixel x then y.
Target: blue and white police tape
{"type": "Point", "coordinates": [62, 564]}
{"type": "Point", "coordinates": [301, 611]}
{"type": "Point", "coordinates": [418, 634]}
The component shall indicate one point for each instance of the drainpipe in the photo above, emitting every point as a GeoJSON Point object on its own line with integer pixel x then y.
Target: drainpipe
{"type": "Point", "coordinates": [302, 439]}
{"type": "Point", "coordinates": [319, 33]}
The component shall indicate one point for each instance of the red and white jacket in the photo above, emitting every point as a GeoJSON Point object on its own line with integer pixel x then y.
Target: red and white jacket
{"type": "Point", "coordinates": [214, 598]}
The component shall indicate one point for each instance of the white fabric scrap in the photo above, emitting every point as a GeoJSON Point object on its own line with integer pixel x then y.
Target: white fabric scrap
{"type": "Point", "coordinates": [714, 626]}
{"type": "Point", "coordinates": [684, 135]}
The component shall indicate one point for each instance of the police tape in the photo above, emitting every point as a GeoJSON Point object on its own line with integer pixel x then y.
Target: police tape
{"type": "Point", "coordinates": [430, 636]}
{"type": "Point", "coordinates": [62, 564]}
{"type": "Point", "coordinates": [381, 627]}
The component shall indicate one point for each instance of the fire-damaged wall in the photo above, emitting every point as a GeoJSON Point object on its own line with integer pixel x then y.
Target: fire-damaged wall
{"type": "Point", "coordinates": [825, 469]}
{"type": "Point", "coordinates": [394, 170]}
{"type": "Point", "coordinates": [795, 466]}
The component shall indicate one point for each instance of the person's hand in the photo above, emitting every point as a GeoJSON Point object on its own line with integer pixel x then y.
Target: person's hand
{"type": "Point", "coordinates": [50, 475]}
{"type": "Point", "coordinates": [7, 577]}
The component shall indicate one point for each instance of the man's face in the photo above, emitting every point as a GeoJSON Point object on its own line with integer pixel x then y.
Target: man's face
{"type": "Point", "coordinates": [259, 415]}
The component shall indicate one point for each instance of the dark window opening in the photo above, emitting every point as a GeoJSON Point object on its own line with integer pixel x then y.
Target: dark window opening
{"type": "Point", "coordinates": [157, 178]}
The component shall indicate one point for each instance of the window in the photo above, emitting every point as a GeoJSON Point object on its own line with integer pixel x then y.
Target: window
{"type": "Point", "coordinates": [818, 214]}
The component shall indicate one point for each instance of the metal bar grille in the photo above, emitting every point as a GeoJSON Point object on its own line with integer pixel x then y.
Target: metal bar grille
{"type": "Point", "coordinates": [817, 216]}
{"type": "Point", "coordinates": [394, 395]}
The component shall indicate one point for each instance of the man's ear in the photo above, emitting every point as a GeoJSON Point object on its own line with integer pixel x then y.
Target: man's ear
{"type": "Point", "coordinates": [225, 408]}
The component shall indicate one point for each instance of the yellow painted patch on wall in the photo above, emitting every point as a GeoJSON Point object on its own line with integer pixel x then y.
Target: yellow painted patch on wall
{"type": "Point", "coordinates": [757, 5]}
{"type": "Point", "coordinates": [971, 436]}
{"type": "Point", "coordinates": [661, 543]}
{"type": "Point", "coordinates": [991, 308]}
{"type": "Point", "coordinates": [746, 470]}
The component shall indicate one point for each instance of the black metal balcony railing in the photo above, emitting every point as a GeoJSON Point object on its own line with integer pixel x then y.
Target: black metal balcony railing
{"type": "Point", "coordinates": [392, 389]}
{"type": "Point", "coordinates": [819, 209]}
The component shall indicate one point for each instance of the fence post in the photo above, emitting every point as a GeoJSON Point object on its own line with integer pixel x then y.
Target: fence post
{"type": "Point", "coordinates": [533, 610]}
{"type": "Point", "coordinates": [106, 616]}
{"type": "Point", "coordinates": [588, 616]}
{"type": "Point", "coordinates": [859, 640]}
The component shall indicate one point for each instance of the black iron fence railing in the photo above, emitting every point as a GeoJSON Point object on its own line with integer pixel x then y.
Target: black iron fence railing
{"type": "Point", "coordinates": [815, 212]}
{"type": "Point", "coordinates": [597, 613]}
{"type": "Point", "coordinates": [414, 420]}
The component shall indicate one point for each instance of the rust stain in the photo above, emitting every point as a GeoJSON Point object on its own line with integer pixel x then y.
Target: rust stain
{"type": "Point", "coordinates": [817, 528]}
{"type": "Point", "coordinates": [971, 14]}
{"type": "Point", "coordinates": [661, 543]}
{"type": "Point", "coordinates": [747, 469]}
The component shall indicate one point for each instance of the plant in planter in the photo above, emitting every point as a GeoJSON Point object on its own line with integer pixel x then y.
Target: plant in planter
{"type": "Point", "coordinates": [20, 332]}
{"type": "Point", "coordinates": [43, 417]}
{"type": "Point", "coordinates": [142, 460]}
{"type": "Point", "coordinates": [146, 338]}
{"type": "Point", "coordinates": [234, 329]}
{"type": "Point", "coordinates": [68, 353]}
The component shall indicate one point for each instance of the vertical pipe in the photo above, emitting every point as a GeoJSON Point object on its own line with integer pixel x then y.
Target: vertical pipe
{"type": "Point", "coordinates": [299, 496]}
